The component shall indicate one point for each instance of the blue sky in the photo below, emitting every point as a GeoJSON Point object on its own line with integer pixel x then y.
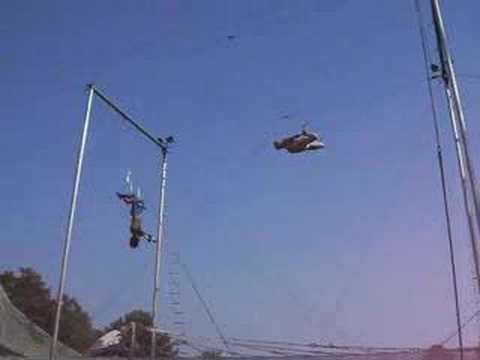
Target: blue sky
{"type": "Point", "coordinates": [346, 245]}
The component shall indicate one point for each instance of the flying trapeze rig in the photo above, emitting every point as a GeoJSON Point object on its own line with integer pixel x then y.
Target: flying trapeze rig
{"type": "Point", "coordinates": [304, 141]}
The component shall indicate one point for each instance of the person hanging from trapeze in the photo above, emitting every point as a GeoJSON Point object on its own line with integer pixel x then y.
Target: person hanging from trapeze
{"type": "Point", "coordinates": [137, 207]}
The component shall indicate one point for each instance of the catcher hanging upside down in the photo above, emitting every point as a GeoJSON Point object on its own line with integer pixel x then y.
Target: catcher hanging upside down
{"type": "Point", "coordinates": [137, 207]}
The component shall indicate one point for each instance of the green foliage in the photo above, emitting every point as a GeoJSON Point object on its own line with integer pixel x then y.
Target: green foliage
{"type": "Point", "coordinates": [140, 317]}
{"type": "Point", "coordinates": [30, 294]}
{"type": "Point", "coordinates": [143, 321]}
{"type": "Point", "coordinates": [76, 329]}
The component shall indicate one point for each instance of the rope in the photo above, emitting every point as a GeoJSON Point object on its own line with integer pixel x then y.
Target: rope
{"type": "Point", "coordinates": [428, 62]}
{"type": "Point", "coordinates": [310, 346]}
{"type": "Point", "coordinates": [470, 319]}
{"type": "Point", "coordinates": [205, 306]}
{"type": "Point", "coordinates": [469, 76]}
{"type": "Point", "coordinates": [250, 347]}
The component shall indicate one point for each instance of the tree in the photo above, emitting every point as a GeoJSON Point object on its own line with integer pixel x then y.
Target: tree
{"type": "Point", "coordinates": [76, 329]}
{"type": "Point", "coordinates": [143, 335]}
{"type": "Point", "coordinates": [30, 294]}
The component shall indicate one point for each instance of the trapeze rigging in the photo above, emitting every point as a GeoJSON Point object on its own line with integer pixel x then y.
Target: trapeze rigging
{"type": "Point", "coordinates": [305, 141]}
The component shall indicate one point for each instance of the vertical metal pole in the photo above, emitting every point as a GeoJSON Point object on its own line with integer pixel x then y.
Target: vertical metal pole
{"type": "Point", "coordinates": [160, 231]}
{"type": "Point", "coordinates": [133, 339]}
{"type": "Point", "coordinates": [460, 133]}
{"type": "Point", "coordinates": [452, 83]}
{"type": "Point", "coordinates": [71, 220]}
{"type": "Point", "coordinates": [464, 183]}
{"type": "Point", "coordinates": [452, 253]}
{"type": "Point", "coordinates": [446, 209]}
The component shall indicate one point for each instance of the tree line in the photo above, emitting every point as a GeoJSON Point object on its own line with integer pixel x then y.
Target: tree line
{"type": "Point", "coordinates": [29, 293]}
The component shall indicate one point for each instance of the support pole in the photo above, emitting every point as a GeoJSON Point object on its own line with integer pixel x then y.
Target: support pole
{"type": "Point", "coordinates": [467, 172]}
{"type": "Point", "coordinates": [160, 232]}
{"type": "Point", "coordinates": [71, 220]}
{"type": "Point", "coordinates": [452, 253]}
{"type": "Point", "coordinates": [133, 339]}
{"type": "Point", "coordinates": [469, 211]}
{"type": "Point", "coordinates": [428, 63]}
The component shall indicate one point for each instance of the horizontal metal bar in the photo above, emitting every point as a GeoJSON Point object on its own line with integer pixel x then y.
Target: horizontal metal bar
{"type": "Point", "coordinates": [128, 118]}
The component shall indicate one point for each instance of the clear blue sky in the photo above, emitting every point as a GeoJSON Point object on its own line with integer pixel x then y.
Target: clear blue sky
{"type": "Point", "coordinates": [346, 245]}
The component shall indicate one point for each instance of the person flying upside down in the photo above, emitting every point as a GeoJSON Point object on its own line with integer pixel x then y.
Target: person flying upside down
{"type": "Point", "coordinates": [305, 141]}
